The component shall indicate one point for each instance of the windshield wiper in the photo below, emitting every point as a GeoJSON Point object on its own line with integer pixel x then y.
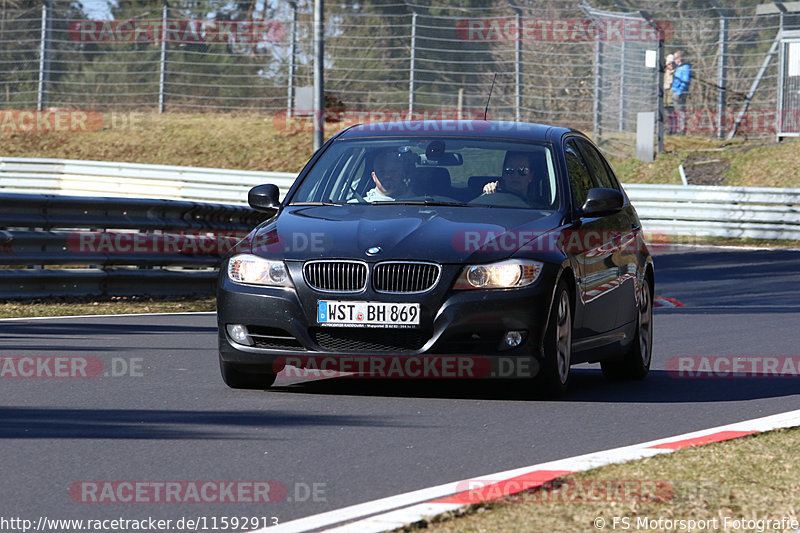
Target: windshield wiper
{"type": "Point", "coordinates": [315, 203]}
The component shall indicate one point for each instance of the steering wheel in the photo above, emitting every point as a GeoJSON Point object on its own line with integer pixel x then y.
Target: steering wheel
{"type": "Point", "coordinates": [501, 198]}
{"type": "Point", "coordinates": [359, 197]}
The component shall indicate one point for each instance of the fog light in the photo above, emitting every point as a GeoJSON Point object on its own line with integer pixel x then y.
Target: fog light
{"type": "Point", "coordinates": [238, 332]}
{"type": "Point", "coordinates": [513, 338]}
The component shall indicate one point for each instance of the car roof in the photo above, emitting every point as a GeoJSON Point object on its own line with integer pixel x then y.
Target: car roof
{"type": "Point", "coordinates": [461, 128]}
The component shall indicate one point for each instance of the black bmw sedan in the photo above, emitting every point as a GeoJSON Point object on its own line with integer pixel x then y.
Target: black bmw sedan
{"type": "Point", "coordinates": [442, 249]}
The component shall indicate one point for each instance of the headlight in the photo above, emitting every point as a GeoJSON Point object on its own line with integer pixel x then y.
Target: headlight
{"type": "Point", "coordinates": [254, 270]}
{"type": "Point", "coordinates": [503, 275]}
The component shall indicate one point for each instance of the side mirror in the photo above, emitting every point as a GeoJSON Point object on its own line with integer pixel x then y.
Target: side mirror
{"type": "Point", "coordinates": [601, 202]}
{"type": "Point", "coordinates": [264, 197]}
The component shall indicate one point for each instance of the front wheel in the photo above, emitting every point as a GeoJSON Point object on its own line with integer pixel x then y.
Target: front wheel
{"type": "Point", "coordinates": [235, 378]}
{"type": "Point", "coordinates": [635, 363]}
{"type": "Point", "coordinates": [553, 377]}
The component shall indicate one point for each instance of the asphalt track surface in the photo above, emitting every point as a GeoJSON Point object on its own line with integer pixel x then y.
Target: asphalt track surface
{"type": "Point", "coordinates": [359, 440]}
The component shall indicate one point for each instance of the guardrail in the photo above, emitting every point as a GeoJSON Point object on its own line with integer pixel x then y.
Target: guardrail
{"type": "Point", "coordinates": [757, 212]}
{"type": "Point", "coordinates": [714, 211]}
{"type": "Point", "coordinates": [133, 180]}
{"type": "Point", "coordinates": [114, 246]}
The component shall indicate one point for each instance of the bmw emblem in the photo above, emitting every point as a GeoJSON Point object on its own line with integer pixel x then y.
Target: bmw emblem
{"type": "Point", "coordinates": [375, 250]}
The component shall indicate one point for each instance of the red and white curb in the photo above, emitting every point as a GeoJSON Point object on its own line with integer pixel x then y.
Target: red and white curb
{"type": "Point", "coordinates": [397, 511]}
{"type": "Point", "coordinates": [661, 301]}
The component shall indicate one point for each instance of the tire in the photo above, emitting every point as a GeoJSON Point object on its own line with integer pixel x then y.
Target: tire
{"type": "Point", "coordinates": [635, 363]}
{"type": "Point", "coordinates": [235, 378]}
{"type": "Point", "coordinates": [553, 377]}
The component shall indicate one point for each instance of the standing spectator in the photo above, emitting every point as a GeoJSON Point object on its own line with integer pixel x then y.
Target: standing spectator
{"type": "Point", "coordinates": [680, 89]}
{"type": "Point", "coordinates": [669, 105]}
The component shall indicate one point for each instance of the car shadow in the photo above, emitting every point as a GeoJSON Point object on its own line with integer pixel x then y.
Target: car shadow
{"type": "Point", "coordinates": [587, 385]}
{"type": "Point", "coordinates": [55, 423]}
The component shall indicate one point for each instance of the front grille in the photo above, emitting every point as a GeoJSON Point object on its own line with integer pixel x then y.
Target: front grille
{"type": "Point", "coordinates": [264, 337]}
{"type": "Point", "coordinates": [397, 277]}
{"type": "Point", "coordinates": [336, 276]}
{"type": "Point", "coordinates": [369, 339]}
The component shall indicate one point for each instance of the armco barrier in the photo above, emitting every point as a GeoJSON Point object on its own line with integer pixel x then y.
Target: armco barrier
{"type": "Point", "coordinates": [756, 212]}
{"type": "Point", "coordinates": [133, 180]}
{"type": "Point", "coordinates": [714, 211]}
{"type": "Point", "coordinates": [68, 245]}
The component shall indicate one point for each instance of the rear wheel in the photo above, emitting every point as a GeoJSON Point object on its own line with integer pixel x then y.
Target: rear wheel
{"type": "Point", "coordinates": [553, 377]}
{"type": "Point", "coordinates": [635, 364]}
{"type": "Point", "coordinates": [236, 377]}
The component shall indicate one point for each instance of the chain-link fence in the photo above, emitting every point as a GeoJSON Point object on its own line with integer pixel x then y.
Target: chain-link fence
{"type": "Point", "coordinates": [593, 66]}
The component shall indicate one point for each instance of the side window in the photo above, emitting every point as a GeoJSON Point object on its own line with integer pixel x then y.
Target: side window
{"type": "Point", "coordinates": [579, 180]}
{"type": "Point", "coordinates": [597, 166]}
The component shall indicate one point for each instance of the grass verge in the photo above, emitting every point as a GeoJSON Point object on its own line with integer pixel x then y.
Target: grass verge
{"type": "Point", "coordinates": [115, 305]}
{"type": "Point", "coordinates": [253, 141]}
{"type": "Point", "coordinates": [753, 478]}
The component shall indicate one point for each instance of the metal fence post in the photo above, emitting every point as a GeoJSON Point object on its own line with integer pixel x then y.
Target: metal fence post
{"type": "Point", "coordinates": [624, 9]}
{"type": "Point", "coordinates": [722, 81]}
{"type": "Point", "coordinates": [661, 62]}
{"type": "Point", "coordinates": [412, 63]}
{"type": "Point", "coordinates": [660, 67]}
{"type": "Point", "coordinates": [622, 87]}
{"type": "Point", "coordinates": [44, 56]}
{"type": "Point", "coordinates": [162, 75]}
{"type": "Point", "coordinates": [292, 58]}
{"type": "Point", "coordinates": [319, 75]}
{"type": "Point", "coordinates": [597, 129]}
{"type": "Point", "coordinates": [723, 77]}
{"type": "Point", "coordinates": [517, 63]}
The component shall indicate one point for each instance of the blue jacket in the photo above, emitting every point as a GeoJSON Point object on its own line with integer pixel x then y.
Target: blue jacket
{"type": "Point", "coordinates": [683, 77]}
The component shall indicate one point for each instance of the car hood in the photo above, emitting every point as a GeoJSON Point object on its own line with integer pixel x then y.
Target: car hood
{"type": "Point", "coordinates": [446, 234]}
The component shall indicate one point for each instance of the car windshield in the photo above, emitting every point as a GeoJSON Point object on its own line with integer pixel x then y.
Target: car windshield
{"type": "Point", "coordinates": [432, 171]}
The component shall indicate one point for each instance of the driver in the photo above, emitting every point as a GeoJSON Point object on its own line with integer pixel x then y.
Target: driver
{"type": "Point", "coordinates": [389, 176]}
{"type": "Point", "coordinates": [517, 175]}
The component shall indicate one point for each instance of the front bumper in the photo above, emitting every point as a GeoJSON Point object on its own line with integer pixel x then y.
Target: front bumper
{"type": "Point", "coordinates": [283, 324]}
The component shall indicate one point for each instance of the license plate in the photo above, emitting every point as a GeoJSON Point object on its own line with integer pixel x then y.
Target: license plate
{"type": "Point", "coordinates": [367, 314]}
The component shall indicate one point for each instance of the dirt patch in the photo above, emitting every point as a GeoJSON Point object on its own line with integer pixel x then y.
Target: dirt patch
{"type": "Point", "coordinates": [706, 169]}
